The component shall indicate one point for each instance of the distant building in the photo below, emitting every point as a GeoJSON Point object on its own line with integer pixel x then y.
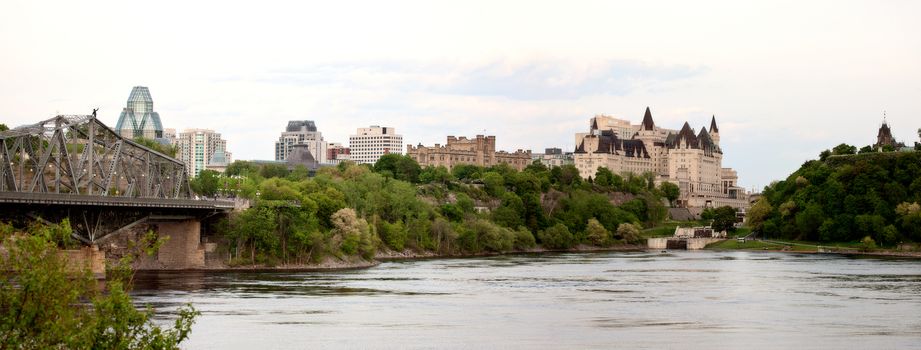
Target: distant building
{"type": "Point", "coordinates": [884, 138]}
{"type": "Point", "coordinates": [369, 144]}
{"type": "Point", "coordinates": [198, 148]}
{"type": "Point", "coordinates": [301, 132]}
{"type": "Point", "coordinates": [480, 151]}
{"type": "Point", "coordinates": [138, 118]}
{"type": "Point", "coordinates": [693, 161]}
{"type": "Point", "coordinates": [553, 157]}
{"type": "Point", "coordinates": [336, 153]}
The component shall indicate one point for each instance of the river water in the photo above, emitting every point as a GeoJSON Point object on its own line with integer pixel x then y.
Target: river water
{"type": "Point", "coordinates": [702, 300]}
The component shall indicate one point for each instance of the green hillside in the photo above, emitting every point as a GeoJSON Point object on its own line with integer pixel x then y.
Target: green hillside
{"type": "Point", "coordinates": [846, 197]}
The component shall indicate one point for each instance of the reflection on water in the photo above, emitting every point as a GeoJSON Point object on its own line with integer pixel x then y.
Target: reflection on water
{"type": "Point", "coordinates": [706, 300]}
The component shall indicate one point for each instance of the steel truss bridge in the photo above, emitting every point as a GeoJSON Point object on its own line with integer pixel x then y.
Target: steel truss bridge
{"type": "Point", "coordinates": [76, 167]}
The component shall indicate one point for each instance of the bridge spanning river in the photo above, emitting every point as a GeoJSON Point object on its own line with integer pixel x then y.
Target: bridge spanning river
{"type": "Point", "coordinates": [75, 167]}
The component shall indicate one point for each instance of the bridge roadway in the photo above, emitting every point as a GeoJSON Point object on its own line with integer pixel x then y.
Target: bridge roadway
{"type": "Point", "coordinates": [58, 199]}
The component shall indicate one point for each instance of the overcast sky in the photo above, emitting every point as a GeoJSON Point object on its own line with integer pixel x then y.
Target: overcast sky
{"type": "Point", "coordinates": [785, 79]}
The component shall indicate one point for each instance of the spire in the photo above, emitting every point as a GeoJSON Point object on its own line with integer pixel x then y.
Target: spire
{"type": "Point", "coordinates": [713, 128]}
{"type": "Point", "coordinates": [647, 120]}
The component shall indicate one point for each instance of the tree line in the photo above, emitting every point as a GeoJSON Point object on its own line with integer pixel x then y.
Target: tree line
{"type": "Point", "coordinates": [355, 210]}
{"type": "Point", "coordinates": [873, 195]}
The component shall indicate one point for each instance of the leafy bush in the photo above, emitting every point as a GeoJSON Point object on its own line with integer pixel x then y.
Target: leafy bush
{"type": "Point", "coordinates": [556, 237]}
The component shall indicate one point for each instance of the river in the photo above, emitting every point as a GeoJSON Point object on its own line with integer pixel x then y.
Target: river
{"type": "Point", "coordinates": [696, 300]}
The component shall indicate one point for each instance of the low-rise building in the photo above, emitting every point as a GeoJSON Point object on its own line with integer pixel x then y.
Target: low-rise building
{"type": "Point", "coordinates": [553, 157]}
{"type": "Point", "coordinates": [480, 151]}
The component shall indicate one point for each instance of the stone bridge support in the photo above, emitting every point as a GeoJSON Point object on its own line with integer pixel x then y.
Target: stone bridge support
{"type": "Point", "coordinates": [183, 249]}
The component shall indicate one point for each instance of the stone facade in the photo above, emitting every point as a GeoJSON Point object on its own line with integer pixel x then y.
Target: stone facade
{"type": "Point", "coordinates": [480, 151]}
{"type": "Point", "coordinates": [693, 161]}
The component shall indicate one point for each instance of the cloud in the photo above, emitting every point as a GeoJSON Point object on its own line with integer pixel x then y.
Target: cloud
{"type": "Point", "coordinates": [528, 79]}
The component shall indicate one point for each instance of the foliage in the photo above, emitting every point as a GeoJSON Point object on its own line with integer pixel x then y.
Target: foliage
{"type": "Point", "coordinates": [724, 219]}
{"type": "Point", "coordinates": [398, 166]}
{"type": "Point", "coordinates": [351, 234]}
{"type": "Point", "coordinates": [628, 232]}
{"type": "Point", "coordinates": [758, 213]}
{"type": "Point", "coordinates": [241, 168]}
{"type": "Point", "coordinates": [350, 210]}
{"type": "Point", "coordinates": [844, 199]}
{"type": "Point", "coordinates": [166, 149]}
{"type": "Point", "coordinates": [556, 237]}
{"type": "Point", "coordinates": [206, 183]}
{"type": "Point", "coordinates": [670, 191]}
{"type": "Point", "coordinates": [595, 233]}
{"type": "Point", "coordinates": [3, 127]}
{"type": "Point", "coordinates": [46, 304]}
{"type": "Point", "coordinates": [844, 149]}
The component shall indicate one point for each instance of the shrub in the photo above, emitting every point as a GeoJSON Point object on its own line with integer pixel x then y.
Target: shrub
{"type": "Point", "coordinates": [556, 237]}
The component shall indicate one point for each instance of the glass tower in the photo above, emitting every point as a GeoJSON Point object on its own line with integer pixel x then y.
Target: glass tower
{"type": "Point", "coordinates": [138, 119]}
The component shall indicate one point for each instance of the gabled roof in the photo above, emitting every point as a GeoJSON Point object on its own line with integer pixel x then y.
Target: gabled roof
{"type": "Point", "coordinates": [647, 120]}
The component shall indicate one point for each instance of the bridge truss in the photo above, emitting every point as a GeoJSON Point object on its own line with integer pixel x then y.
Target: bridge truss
{"type": "Point", "coordinates": [78, 154]}
{"type": "Point", "coordinates": [76, 167]}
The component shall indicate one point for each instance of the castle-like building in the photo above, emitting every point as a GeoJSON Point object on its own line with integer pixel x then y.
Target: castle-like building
{"type": "Point", "coordinates": [479, 151]}
{"type": "Point", "coordinates": [693, 161]}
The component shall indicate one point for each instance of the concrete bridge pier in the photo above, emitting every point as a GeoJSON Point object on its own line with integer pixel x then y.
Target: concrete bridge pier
{"type": "Point", "coordinates": [182, 249]}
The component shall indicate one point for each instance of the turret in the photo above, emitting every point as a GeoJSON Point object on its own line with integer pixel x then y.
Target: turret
{"type": "Point", "coordinates": [647, 121]}
{"type": "Point", "coordinates": [714, 131]}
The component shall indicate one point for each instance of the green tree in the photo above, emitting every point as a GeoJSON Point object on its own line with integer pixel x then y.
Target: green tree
{"type": "Point", "coordinates": [206, 183]}
{"type": "Point", "coordinates": [604, 177]}
{"type": "Point", "coordinates": [494, 184]}
{"type": "Point", "coordinates": [399, 166]}
{"type": "Point", "coordinates": [273, 170]}
{"type": "Point", "coordinates": [437, 174]}
{"type": "Point", "coordinates": [670, 191]}
{"type": "Point", "coordinates": [3, 127]}
{"type": "Point", "coordinates": [556, 237]}
{"type": "Point", "coordinates": [844, 149]}
{"type": "Point", "coordinates": [47, 305]}
{"type": "Point", "coordinates": [241, 168]}
{"type": "Point", "coordinates": [724, 219]}
{"type": "Point", "coordinates": [759, 213]}
{"type": "Point", "coordinates": [596, 233]}
{"type": "Point", "coordinates": [628, 232]}
{"type": "Point", "coordinates": [809, 220]}
{"type": "Point", "coordinates": [351, 235]}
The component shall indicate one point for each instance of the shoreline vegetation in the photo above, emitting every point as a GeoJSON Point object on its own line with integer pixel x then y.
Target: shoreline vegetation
{"type": "Point", "coordinates": [351, 214]}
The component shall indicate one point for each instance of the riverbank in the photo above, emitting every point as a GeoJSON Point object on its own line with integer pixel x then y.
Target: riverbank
{"type": "Point", "coordinates": [333, 263]}
{"type": "Point", "coordinates": [804, 247]}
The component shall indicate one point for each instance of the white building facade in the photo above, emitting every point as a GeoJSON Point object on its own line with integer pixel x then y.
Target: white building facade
{"type": "Point", "coordinates": [369, 144]}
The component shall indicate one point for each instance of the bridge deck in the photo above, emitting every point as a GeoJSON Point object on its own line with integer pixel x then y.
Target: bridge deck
{"type": "Point", "coordinates": [87, 200]}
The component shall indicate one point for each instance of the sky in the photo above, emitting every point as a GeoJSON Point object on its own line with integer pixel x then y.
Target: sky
{"type": "Point", "coordinates": [785, 79]}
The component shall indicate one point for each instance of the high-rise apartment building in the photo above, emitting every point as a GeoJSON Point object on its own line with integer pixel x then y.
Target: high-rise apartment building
{"type": "Point", "coordinates": [198, 148]}
{"type": "Point", "coordinates": [301, 132]}
{"type": "Point", "coordinates": [138, 118]}
{"type": "Point", "coordinates": [369, 144]}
